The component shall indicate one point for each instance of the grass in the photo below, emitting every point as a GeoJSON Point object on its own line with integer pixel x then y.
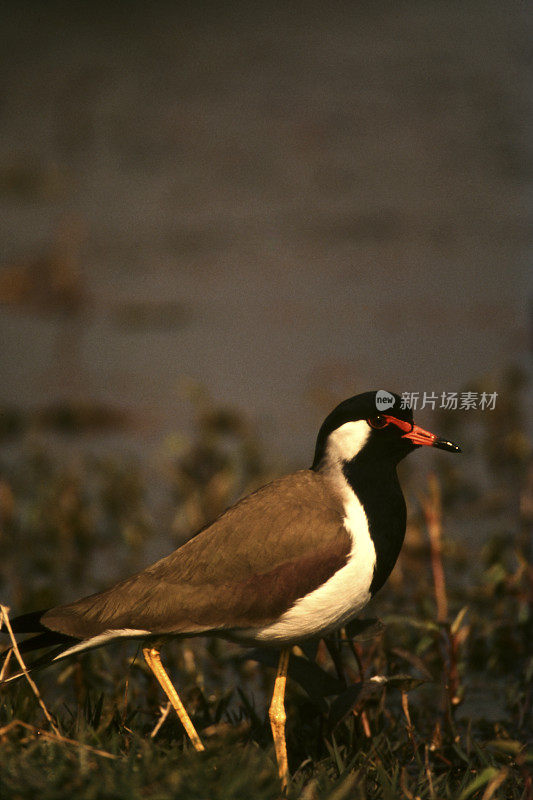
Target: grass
{"type": "Point", "coordinates": [449, 715]}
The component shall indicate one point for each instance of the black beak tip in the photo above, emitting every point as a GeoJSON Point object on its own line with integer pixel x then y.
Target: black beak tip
{"type": "Point", "coordinates": [444, 444]}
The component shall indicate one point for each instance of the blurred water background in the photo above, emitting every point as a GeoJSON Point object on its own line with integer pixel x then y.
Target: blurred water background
{"type": "Point", "coordinates": [286, 203]}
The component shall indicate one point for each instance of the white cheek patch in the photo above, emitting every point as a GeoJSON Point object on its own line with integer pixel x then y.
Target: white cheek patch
{"type": "Point", "coordinates": [344, 443]}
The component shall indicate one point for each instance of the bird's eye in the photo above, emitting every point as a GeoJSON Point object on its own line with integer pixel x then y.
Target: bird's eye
{"type": "Point", "coordinates": [378, 422]}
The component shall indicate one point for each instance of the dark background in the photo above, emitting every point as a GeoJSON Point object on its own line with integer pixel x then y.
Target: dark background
{"type": "Point", "coordinates": [287, 203]}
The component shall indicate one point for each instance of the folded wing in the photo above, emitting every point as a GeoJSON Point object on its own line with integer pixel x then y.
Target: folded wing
{"type": "Point", "coordinates": [245, 569]}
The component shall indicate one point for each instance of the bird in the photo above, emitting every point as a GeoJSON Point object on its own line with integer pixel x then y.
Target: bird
{"type": "Point", "coordinates": [294, 560]}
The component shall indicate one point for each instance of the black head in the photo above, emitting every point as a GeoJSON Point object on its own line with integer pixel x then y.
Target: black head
{"type": "Point", "coordinates": [377, 423]}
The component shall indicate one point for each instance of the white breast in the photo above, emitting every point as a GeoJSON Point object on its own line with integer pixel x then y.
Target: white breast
{"type": "Point", "coordinates": [339, 599]}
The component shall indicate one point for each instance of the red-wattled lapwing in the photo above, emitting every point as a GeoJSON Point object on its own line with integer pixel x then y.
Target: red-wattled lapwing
{"type": "Point", "coordinates": [296, 559]}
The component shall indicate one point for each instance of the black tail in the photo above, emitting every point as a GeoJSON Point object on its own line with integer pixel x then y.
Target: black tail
{"type": "Point", "coordinates": [42, 638]}
{"type": "Point", "coordinates": [28, 623]}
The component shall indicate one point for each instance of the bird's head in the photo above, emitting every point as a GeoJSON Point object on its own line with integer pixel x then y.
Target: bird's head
{"type": "Point", "coordinates": [374, 424]}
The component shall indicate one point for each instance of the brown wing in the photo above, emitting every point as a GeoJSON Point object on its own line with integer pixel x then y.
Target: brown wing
{"type": "Point", "coordinates": [247, 568]}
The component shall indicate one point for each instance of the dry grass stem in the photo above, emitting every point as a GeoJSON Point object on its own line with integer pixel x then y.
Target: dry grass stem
{"type": "Point", "coordinates": [428, 773]}
{"type": "Point", "coordinates": [366, 725]}
{"type": "Point", "coordinates": [403, 785]}
{"type": "Point", "coordinates": [495, 783]}
{"type": "Point", "coordinates": [165, 710]}
{"type": "Point", "coordinates": [5, 665]}
{"type": "Point", "coordinates": [55, 737]}
{"type": "Point", "coordinates": [409, 727]}
{"type": "Point", "coordinates": [4, 618]}
{"type": "Point", "coordinates": [432, 508]}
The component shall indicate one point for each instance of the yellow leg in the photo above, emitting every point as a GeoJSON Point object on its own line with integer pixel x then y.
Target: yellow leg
{"type": "Point", "coordinates": [277, 717]}
{"type": "Point", "coordinates": [153, 659]}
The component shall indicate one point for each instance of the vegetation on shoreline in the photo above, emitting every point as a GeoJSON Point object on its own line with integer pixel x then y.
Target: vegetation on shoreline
{"type": "Point", "coordinates": [433, 702]}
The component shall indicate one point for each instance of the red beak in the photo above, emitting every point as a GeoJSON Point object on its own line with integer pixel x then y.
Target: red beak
{"type": "Point", "coordinates": [419, 436]}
